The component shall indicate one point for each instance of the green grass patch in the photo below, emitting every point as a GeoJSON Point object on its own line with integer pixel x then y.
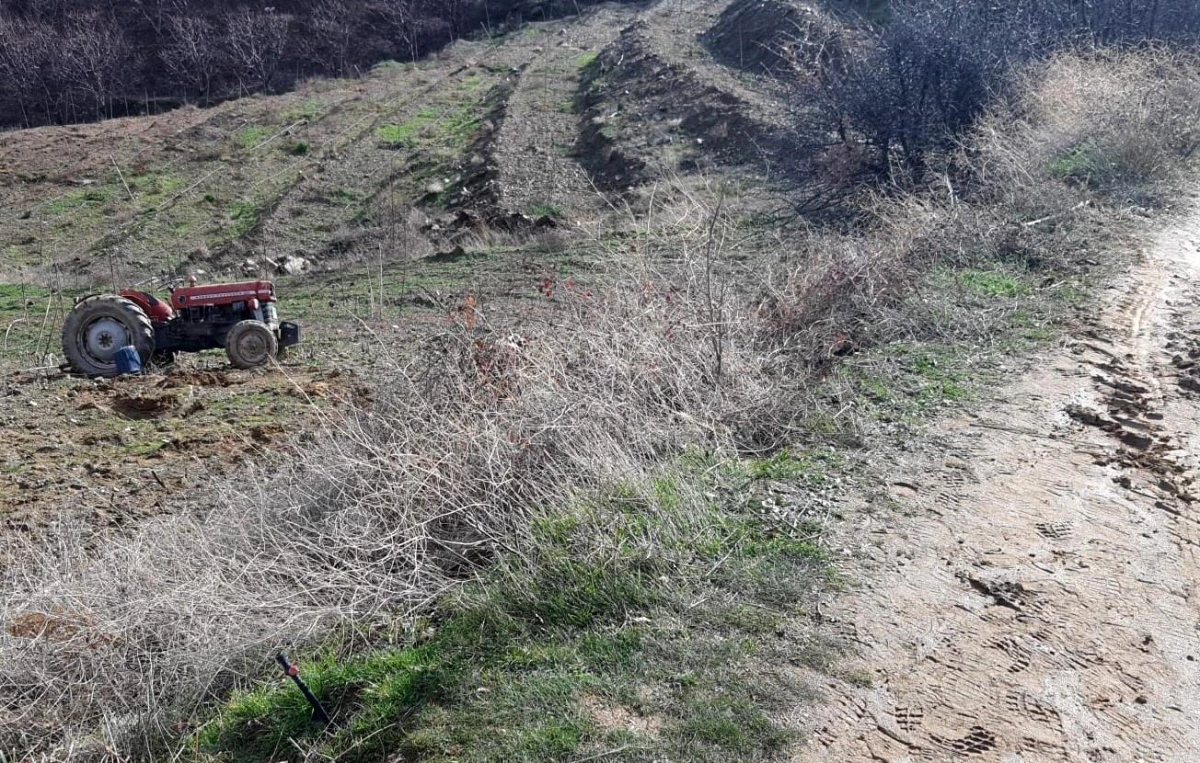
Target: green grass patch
{"type": "Point", "coordinates": [611, 129]}
{"type": "Point", "coordinates": [586, 60]}
{"type": "Point", "coordinates": [153, 188]}
{"type": "Point", "coordinates": [991, 283]}
{"type": "Point", "coordinates": [148, 449]}
{"type": "Point", "coordinates": [312, 110]}
{"type": "Point", "coordinates": [1080, 163]}
{"type": "Point", "coordinates": [556, 211]}
{"type": "Point", "coordinates": [912, 382]}
{"type": "Point", "coordinates": [405, 134]}
{"type": "Point", "coordinates": [246, 217]}
{"type": "Point", "coordinates": [788, 465]}
{"type": "Point", "coordinates": [981, 316]}
{"type": "Point", "coordinates": [625, 628]}
{"type": "Point", "coordinates": [93, 197]}
{"type": "Point", "coordinates": [253, 135]}
{"type": "Point", "coordinates": [451, 127]}
{"type": "Point", "coordinates": [347, 196]}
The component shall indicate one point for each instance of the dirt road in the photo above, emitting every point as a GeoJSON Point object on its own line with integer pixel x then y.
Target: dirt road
{"type": "Point", "coordinates": [1033, 595]}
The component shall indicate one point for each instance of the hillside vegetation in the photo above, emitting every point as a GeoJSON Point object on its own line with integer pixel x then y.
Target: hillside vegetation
{"type": "Point", "coordinates": [81, 60]}
{"type": "Point", "coordinates": [603, 324]}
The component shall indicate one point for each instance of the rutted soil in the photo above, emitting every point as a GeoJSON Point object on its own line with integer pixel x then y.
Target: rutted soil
{"type": "Point", "coordinates": [316, 174]}
{"type": "Point", "coordinates": [536, 171]}
{"type": "Point", "coordinates": [1032, 596]}
{"type": "Point", "coordinates": [779, 38]}
{"type": "Point", "coordinates": [116, 451]}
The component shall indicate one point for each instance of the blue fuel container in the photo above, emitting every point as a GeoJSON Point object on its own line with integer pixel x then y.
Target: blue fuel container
{"type": "Point", "coordinates": [128, 361]}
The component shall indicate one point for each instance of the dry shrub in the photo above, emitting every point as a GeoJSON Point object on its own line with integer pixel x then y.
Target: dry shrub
{"type": "Point", "coordinates": [469, 439]}
{"type": "Point", "coordinates": [1119, 123]}
{"type": "Point", "coordinates": [1046, 184]}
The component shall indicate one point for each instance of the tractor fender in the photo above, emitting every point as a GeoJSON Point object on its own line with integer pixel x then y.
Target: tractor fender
{"type": "Point", "coordinates": [157, 310]}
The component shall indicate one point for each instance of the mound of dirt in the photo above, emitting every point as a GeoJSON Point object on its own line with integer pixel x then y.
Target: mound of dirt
{"type": "Point", "coordinates": [473, 199]}
{"type": "Point", "coordinates": [781, 38]}
{"type": "Point", "coordinates": [642, 111]}
{"type": "Point", "coordinates": [477, 185]}
{"type": "Point", "coordinates": [145, 406]}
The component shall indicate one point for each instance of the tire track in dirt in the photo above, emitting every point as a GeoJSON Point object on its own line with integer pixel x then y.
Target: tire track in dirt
{"type": "Point", "coordinates": [1037, 603]}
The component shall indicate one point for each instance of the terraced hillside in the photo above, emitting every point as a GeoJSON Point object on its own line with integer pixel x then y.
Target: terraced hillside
{"type": "Point", "coordinates": [487, 171]}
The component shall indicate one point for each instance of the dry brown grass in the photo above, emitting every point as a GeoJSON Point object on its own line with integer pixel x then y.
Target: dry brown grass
{"type": "Point", "coordinates": [1119, 124]}
{"type": "Point", "coordinates": [1049, 181]}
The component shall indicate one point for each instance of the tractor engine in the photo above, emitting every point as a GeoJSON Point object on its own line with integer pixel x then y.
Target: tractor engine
{"type": "Point", "coordinates": [201, 317]}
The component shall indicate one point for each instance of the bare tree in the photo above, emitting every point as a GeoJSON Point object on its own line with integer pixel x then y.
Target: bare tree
{"type": "Point", "coordinates": [255, 42]}
{"type": "Point", "coordinates": [93, 60]}
{"type": "Point", "coordinates": [192, 53]}
{"type": "Point", "coordinates": [334, 23]}
{"type": "Point", "coordinates": [926, 74]}
{"type": "Point", "coordinates": [25, 52]}
{"type": "Point", "coordinates": [160, 13]}
{"type": "Point", "coordinates": [399, 23]}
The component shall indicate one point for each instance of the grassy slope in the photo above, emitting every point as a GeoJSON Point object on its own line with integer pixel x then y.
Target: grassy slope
{"type": "Point", "coordinates": [312, 172]}
{"type": "Point", "coordinates": [637, 627]}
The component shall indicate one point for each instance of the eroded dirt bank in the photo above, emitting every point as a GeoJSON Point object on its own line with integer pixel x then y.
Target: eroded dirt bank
{"type": "Point", "coordinates": [1032, 587]}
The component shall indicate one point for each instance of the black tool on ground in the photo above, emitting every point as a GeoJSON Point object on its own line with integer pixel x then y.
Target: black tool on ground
{"type": "Point", "coordinates": [293, 672]}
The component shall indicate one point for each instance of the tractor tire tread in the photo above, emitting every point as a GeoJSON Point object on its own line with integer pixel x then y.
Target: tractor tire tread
{"type": "Point", "coordinates": [127, 312]}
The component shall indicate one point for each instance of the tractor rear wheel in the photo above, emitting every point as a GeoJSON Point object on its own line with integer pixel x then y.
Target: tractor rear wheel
{"type": "Point", "coordinates": [100, 326]}
{"type": "Point", "coordinates": [251, 344]}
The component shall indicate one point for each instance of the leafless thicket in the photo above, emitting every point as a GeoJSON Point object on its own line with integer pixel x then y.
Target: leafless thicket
{"type": "Point", "coordinates": [81, 60]}
{"type": "Point", "coordinates": [474, 436]}
{"type": "Point", "coordinates": [908, 88]}
{"type": "Point", "coordinates": [1087, 138]}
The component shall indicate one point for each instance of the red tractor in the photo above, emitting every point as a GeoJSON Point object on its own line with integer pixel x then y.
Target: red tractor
{"type": "Point", "coordinates": [240, 317]}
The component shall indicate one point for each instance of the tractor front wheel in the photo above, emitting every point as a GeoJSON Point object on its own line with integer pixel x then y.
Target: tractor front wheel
{"type": "Point", "coordinates": [251, 344]}
{"type": "Point", "coordinates": [100, 326]}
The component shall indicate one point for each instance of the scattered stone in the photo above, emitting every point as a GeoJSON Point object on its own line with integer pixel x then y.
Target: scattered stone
{"type": "Point", "coordinates": [293, 265]}
{"type": "Point", "coordinates": [1135, 440]}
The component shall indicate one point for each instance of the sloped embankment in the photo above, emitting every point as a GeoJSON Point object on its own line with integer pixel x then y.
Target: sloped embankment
{"type": "Point", "coordinates": [780, 38]}
{"type": "Point", "coordinates": [644, 113]}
